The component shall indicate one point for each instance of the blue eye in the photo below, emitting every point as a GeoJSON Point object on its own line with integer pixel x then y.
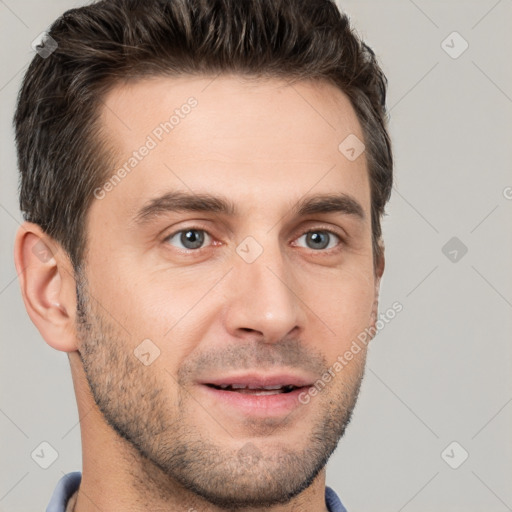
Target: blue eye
{"type": "Point", "coordinates": [320, 239]}
{"type": "Point", "coordinates": [189, 238]}
{"type": "Point", "coordinates": [194, 238]}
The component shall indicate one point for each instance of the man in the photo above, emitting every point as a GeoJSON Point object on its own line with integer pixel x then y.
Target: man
{"type": "Point", "coordinates": [202, 183]}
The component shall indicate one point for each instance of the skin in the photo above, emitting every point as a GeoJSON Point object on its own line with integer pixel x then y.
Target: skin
{"type": "Point", "coordinates": [152, 439]}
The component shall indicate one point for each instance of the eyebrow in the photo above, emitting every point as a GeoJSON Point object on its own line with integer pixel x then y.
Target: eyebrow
{"type": "Point", "coordinates": [178, 201]}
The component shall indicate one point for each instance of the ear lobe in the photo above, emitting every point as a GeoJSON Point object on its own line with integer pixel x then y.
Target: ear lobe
{"type": "Point", "coordinates": [47, 286]}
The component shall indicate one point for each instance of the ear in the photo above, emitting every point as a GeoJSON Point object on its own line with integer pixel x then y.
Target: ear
{"type": "Point", "coordinates": [380, 263]}
{"type": "Point", "coordinates": [47, 286]}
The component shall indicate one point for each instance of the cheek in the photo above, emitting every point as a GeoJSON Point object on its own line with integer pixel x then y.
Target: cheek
{"type": "Point", "coordinates": [168, 308]}
{"type": "Point", "coordinates": [344, 305]}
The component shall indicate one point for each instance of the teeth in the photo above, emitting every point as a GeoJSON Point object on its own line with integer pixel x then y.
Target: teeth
{"type": "Point", "coordinates": [265, 387]}
{"type": "Point", "coordinates": [240, 387]}
{"type": "Point", "coordinates": [254, 389]}
{"type": "Point", "coordinates": [260, 392]}
{"type": "Point", "coordinates": [243, 386]}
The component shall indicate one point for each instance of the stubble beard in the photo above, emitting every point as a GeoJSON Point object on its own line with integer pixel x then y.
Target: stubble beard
{"type": "Point", "coordinates": [169, 449]}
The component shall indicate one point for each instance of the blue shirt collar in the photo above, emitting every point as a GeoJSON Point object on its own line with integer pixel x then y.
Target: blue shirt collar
{"type": "Point", "coordinates": [70, 482]}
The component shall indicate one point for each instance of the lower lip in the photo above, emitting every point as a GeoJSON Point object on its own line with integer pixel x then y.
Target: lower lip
{"type": "Point", "coordinates": [259, 405]}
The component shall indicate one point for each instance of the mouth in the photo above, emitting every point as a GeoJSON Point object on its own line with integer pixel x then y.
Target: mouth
{"type": "Point", "coordinates": [256, 390]}
{"type": "Point", "coordinates": [257, 395]}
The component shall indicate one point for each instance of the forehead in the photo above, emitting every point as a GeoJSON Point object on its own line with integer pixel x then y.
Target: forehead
{"type": "Point", "coordinates": [253, 139]}
{"type": "Point", "coordinates": [325, 106]}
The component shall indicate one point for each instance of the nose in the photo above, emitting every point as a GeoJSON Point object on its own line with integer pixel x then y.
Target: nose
{"type": "Point", "coordinates": [264, 298]}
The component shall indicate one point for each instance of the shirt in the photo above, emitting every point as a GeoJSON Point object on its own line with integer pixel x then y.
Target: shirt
{"type": "Point", "coordinates": [70, 482]}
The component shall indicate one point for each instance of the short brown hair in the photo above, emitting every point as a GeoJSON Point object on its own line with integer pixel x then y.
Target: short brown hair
{"type": "Point", "coordinates": [60, 152]}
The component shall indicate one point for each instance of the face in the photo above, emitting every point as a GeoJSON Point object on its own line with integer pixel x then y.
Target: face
{"type": "Point", "coordinates": [235, 250]}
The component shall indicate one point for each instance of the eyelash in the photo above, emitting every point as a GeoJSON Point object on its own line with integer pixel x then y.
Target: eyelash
{"type": "Point", "coordinates": [314, 230]}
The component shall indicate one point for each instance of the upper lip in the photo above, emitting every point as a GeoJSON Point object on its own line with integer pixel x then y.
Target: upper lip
{"type": "Point", "coordinates": [260, 380]}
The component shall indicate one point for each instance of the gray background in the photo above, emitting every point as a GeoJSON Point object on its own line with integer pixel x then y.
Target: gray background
{"type": "Point", "coordinates": [440, 371]}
